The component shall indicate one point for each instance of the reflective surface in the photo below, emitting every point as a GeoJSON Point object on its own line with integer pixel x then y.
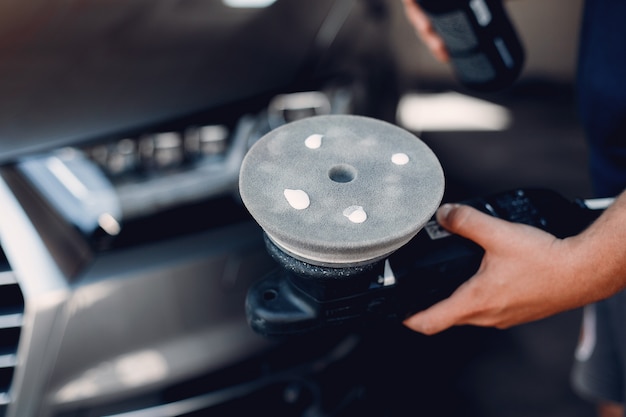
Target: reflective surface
{"type": "Point", "coordinates": [77, 70]}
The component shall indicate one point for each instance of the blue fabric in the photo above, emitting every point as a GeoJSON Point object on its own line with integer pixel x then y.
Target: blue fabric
{"type": "Point", "coordinates": [602, 100]}
{"type": "Point", "coordinates": [602, 92]}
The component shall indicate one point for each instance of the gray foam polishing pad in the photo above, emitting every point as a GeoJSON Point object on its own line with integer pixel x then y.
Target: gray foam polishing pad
{"type": "Point", "coordinates": [340, 190]}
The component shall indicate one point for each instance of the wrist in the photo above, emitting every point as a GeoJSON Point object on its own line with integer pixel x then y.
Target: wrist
{"type": "Point", "coordinates": [596, 269]}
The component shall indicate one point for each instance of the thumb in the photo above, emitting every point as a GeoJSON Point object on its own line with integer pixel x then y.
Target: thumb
{"type": "Point", "coordinates": [471, 223]}
{"type": "Point", "coordinates": [474, 225]}
{"type": "Point", "coordinates": [437, 318]}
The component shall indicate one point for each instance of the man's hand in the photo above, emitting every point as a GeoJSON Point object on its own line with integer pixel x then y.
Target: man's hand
{"type": "Point", "coordinates": [527, 274]}
{"type": "Point", "coordinates": [425, 30]}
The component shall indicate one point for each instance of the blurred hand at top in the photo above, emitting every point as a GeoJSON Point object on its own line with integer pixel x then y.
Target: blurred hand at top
{"type": "Point", "coordinates": [425, 30]}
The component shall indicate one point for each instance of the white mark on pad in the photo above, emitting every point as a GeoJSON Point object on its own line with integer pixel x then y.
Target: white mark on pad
{"type": "Point", "coordinates": [297, 199]}
{"type": "Point", "coordinates": [313, 141]}
{"type": "Point", "coordinates": [355, 214]}
{"type": "Point", "coordinates": [400, 158]}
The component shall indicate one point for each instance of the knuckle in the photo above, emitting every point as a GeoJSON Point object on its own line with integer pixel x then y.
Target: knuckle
{"type": "Point", "coordinates": [459, 217]}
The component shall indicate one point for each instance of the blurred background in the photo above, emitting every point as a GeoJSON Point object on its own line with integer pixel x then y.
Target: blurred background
{"type": "Point", "coordinates": [537, 139]}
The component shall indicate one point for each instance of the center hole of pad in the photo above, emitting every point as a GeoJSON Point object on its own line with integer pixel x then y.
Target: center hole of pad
{"type": "Point", "coordinates": [342, 173]}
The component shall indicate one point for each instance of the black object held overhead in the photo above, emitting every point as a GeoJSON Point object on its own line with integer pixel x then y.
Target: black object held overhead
{"type": "Point", "coordinates": [484, 48]}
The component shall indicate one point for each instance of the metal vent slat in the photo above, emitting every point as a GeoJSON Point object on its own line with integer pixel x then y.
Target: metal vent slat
{"type": "Point", "coordinates": [6, 276]}
{"type": "Point", "coordinates": [11, 320]}
{"type": "Point", "coordinates": [8, 361]}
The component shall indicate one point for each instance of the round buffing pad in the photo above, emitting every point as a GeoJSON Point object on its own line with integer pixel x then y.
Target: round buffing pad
{"type": "Point", "coordinates": [340, 190]}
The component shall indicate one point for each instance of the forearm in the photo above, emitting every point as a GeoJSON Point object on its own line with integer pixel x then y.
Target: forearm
{"type": "Point", "coordinates": [599, 253]}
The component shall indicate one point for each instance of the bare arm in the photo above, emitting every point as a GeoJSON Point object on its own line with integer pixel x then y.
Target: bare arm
{"type": "Point", "coordinates": [527, 274]}
{"type": "Point", "coordinates": [425, 30]}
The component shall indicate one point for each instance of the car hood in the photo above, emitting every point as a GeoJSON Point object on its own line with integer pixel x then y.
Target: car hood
{"type": "Point", "coordinates": [71, 71]}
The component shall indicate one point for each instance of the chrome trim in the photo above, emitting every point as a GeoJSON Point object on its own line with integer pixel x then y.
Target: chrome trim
{"type": "Point", "coordinates": [598, 203]}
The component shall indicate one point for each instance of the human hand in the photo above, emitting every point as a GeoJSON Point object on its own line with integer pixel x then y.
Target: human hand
{"type": "Point", "coordinates": [526, 274]}
{"type": "Point", "coordinates": [425, 30]}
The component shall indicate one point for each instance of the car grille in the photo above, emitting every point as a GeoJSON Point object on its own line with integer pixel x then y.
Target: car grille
{"type": "Point", "coordinates": [11, 314]}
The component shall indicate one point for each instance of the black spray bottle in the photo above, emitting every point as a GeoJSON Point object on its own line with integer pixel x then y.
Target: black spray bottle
{"type": "Point", "coordinates": [484, 48]}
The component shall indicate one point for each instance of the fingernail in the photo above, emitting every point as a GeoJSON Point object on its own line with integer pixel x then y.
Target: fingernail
{"type": "Point", "coordinates": [445, 209]}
